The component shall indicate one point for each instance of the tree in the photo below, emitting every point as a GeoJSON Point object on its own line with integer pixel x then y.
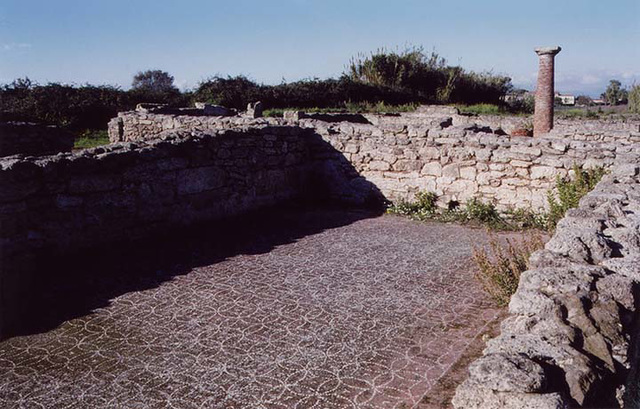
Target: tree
{"type": "Point", "coordinates": [615, 93]}
{"type": "Point", "coordinates": [154, 82]}
{"type": "Point", "coordinates": [634, 99]}
{"type": "Point", "coordinates": [583, 100]}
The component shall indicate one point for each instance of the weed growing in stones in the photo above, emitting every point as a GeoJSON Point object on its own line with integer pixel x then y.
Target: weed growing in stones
{"type": "Point", "coordinates": [500, 266]}
{"type": "Point", "coordinates": [474, 211]}
{"type": "Point", "coordinates": [522, 219]}
{"type": "Point", "coordinates": [570, 191]}
{"type": "Point", "coordinates": [424, 207]}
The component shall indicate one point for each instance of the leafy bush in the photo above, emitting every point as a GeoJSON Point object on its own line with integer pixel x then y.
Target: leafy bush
{"type": "Point", "coordinates": [76, 108]}
{"type": "Point", "coordinates": [232, 92]}
{"type": "Point", "coordinates": [237, 92]}
{"type": "Point", "coordinates": [409, 69]}
{"type": "Point", "coordinates": [500, 267]}
{"type": "Point", "coordinates": [427, 76]}
{"type": "Point", "coordinates": [526, 219]}
{"type": "Point", "coordinates": [424, 207]}
{"type": "Point", "coordinates": [569, 192]}
{"type": "Point", "coordinates": [485, 213]}
{"type": "Point", "coordinates": [525, 105]}
{"type": "Point", "coordinates": [375, 82]}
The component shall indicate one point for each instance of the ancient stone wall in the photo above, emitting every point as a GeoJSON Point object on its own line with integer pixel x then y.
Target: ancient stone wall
{"type": "Point", "coordinates": [33, 139]}
{"type": "Point", "coordinates": [462, 162]}
{"type": "Point", "coordinates": [567, 341]}
{"type": "Point", "coordinates": [125, 191]}
{"type": "Point", "coordinates": [600, 130]}
{"type": "Point", "coordinates": [457, 157]}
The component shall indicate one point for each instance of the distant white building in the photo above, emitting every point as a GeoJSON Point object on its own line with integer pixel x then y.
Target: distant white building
{"type": "Point", "coordinates": [566, 99]}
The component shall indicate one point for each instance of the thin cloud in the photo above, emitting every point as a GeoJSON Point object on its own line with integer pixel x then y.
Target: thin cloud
{"type": "Point", "coordinates": [15, 46]}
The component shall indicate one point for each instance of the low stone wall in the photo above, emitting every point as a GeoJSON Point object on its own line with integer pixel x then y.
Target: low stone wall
{"type": "Point", "coordinates": [568, 338]}
{"type": "Point", "coordinates": [138, 126]}
{"type": "Point", "coordinates": [408, 153]}
{"type": "Point", "coordinates": [462, 162]}
{"type": "Point", "coordinates": [33, 139]}
{"type": "Point", "coordinates": [125, 191]}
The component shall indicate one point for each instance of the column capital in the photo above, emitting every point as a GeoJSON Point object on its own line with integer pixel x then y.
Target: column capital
{"type": "Point", "coordinates": [547, 50]}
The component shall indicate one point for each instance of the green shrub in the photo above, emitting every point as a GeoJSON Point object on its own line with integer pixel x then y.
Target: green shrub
{"type": "Point", "coordinates": [424, 207]}
{"type": "Point", "coordinates": [570, 191]}
{"type": "Point", "coordinates": [526, 219]}
{"type": "Point", "coordinates": [74, 107]}
{"type": "Point", "coordinates": [485, 213]}
{"type": "Point", "coordinates": [500, 267]}
{"type": "Point", "coordinates": [427, 77]}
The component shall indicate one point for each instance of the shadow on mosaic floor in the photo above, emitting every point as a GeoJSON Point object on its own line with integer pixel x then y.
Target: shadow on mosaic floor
{"type": "Point", "coordinates": [73, 285]}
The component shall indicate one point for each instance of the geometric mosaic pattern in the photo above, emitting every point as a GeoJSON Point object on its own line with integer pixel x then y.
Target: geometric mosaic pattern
{"type": "Point", "coordinates": [365, 315]}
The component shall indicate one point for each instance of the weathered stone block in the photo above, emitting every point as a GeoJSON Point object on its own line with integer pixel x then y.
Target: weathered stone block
{"type": "Point", "coordinates": [468, 173]}
{"type": "Point", "coordinates": [451, 171]}
{"type": "Point", "coordinates": [432, 169]}
{"type": "Point", "coordinates": [379, 165]}
{"type": "Point", "coordinates": [543, 172]}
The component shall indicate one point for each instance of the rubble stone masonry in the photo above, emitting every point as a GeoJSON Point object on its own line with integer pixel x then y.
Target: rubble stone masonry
{"type": "Point", "coordinates": [458, 157]}
{"type": "Point", "coordinates": [569, 339]}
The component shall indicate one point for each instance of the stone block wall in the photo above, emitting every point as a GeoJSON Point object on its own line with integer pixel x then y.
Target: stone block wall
{"type": "Point", "coordinates": [457, 157]}
{"type": "Point", "coordinates": [137, 126]}
{"type": "Point", "coordinates": [462, 162]}
{"type": "Point", "coordinates": [33, 139]}
{"type": "Point", "coordinates": [125, 191]}
{"type": "Point", "coordinates": [568, 340]}
{"type": "Point", "coordinates": [571, 339]}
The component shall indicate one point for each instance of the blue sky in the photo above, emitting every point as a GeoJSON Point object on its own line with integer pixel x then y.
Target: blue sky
{"type": "Point", "coordinates": [107, 42]}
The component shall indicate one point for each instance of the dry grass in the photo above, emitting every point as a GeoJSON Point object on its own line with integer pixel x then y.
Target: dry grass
{"type": "Point", "coordinates": [500, 265]}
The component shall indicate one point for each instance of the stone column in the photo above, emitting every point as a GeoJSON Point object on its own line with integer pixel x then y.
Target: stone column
{"type": "Point", "coordinates": [543, 117]}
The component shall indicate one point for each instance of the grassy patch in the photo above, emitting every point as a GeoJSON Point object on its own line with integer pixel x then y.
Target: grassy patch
{"type": "Point", "coordinates": [482, 109]}
{"type": "Point", "coordinates": [349, 107]}
{"type": "Point", "coordinates": [578, 113]}
{"type": "Point", "coordinates": [500, 266]}
{"type": "Point", "coordinates": [91, 139]}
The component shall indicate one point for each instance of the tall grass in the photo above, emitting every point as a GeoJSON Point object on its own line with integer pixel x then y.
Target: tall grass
{"type": "Point", "coordinates": [500, 266]}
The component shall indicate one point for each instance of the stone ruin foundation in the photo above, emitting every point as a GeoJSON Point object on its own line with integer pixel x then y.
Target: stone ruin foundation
{"type": "Point", "coordinates": [571, 335]}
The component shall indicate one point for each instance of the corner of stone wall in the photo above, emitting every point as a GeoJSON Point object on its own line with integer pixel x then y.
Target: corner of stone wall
{"type": "Point", "coordinates": [115, 129]}
{"type": "Point", "coordinates": [568, 338]}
